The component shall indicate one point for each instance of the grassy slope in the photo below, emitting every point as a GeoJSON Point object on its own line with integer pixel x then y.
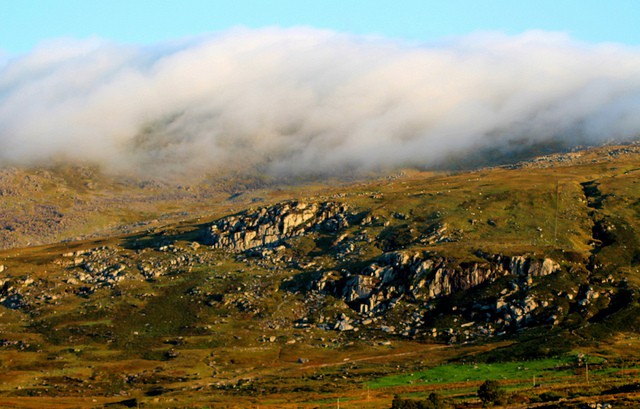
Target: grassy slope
{"type": "Point", "coordinates": [118, 343]}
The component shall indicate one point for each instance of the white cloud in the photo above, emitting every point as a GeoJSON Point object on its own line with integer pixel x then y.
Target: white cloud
{"type": "Point", "coordinates": [305, 100]}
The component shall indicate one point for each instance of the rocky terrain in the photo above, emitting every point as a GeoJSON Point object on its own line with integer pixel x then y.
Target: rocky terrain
{"type": "Point", "coordinates": [523, 262]}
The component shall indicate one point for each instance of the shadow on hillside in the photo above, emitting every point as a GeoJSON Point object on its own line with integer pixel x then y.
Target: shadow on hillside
{"type": "Point", "coordinates": [155, 240]}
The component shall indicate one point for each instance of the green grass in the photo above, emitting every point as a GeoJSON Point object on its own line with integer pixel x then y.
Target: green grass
{"type": "Point", "coordinates": [452, 373]}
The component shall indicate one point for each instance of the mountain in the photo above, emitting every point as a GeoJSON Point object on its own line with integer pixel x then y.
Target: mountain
{"type": "Point", "coordinates": [253, 293]}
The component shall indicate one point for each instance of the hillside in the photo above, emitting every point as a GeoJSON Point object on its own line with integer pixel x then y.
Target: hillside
{"type": "Point", "coordinates": [64, 202]}
{"type": "Point", "coordinates": [165, 295]}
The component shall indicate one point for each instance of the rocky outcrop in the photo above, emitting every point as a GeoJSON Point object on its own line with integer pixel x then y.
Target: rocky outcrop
{"type": "Point", "coordinates": [527, 266]}
{"type": "Point", "coordinates": [106, 267]}
{"type": "Point", "coordinates": [102, 266]}
{"type": "Point", "coordinates": [271, 226]}
{"type": "Point", "coordinates": [422, 276]}
{"type": "Point", "coordinates": [10, 295]}
{"type": "Point", "coordinates": [440, 233]}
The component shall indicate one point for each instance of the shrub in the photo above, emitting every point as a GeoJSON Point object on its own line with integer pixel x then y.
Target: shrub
{"type": "Point", "coordinates": [490, 393]}
{"type": "Point", "coordinates": [437, 401]}
{"type": "Point", "coordinates": [434, 401]}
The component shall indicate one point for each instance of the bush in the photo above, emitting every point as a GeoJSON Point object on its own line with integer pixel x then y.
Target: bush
{"type": "Point", "coordinates": [490, 393]}
{"type": "Point", "coordinates": [434, 401]}
{"type": "Point", "coordinates": [437, 401]}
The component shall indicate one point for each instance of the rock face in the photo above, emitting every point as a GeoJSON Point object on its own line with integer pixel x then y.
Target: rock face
{"type": "Point", "coordinates": [270, 226]}
{"type": "Point", "coordinates": [421, 276]}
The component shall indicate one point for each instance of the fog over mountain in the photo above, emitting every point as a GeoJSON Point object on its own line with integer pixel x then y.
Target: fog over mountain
{"type": "Point", "coordinates": [302, 100]}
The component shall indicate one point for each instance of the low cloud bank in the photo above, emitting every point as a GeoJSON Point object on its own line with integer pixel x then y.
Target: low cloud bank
{"type": "Point", "coordinates": [291, 101]}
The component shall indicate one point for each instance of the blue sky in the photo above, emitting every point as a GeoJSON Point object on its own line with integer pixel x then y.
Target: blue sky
{"type": "Point", "coordinates": [25, 23]}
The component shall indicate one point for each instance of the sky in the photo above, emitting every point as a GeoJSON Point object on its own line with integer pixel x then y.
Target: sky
{"type": "Point", "coordinates": [25, 23]}
{"type": "Point", "coordinates": [311, 87]}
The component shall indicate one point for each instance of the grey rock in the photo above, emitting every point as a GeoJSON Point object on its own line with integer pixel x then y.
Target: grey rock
{"type": "Point", "coordinates": [271, 226]}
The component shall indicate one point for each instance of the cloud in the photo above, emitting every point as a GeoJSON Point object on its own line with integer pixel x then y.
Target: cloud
{"type": "Point", "coordinates": [304, 101]}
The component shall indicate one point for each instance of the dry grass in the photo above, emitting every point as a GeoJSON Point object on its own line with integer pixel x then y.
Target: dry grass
{"type": "Point", "coordinates": [117, 343]}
